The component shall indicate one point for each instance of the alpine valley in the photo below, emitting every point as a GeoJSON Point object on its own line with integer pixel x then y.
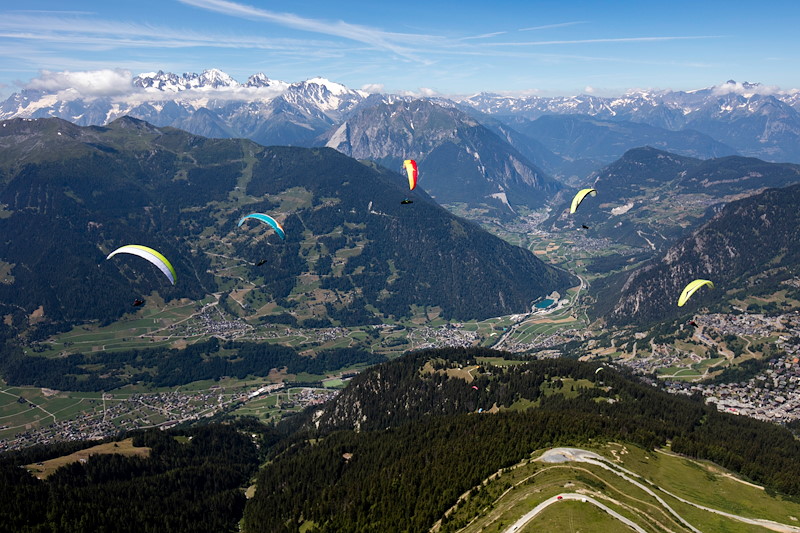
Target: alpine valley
{"type": "Point", "coordinates": [465, 356]}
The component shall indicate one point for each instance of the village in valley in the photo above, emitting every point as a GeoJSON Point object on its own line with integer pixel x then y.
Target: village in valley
{"type": "Point", "coordinates": [110, 414]}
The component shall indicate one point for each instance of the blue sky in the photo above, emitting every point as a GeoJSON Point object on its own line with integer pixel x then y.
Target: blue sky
{"type": "Point", "coordinates": [486, 45]}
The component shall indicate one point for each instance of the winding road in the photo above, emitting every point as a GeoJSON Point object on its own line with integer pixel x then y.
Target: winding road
{"type": "Point", "coordinates": [519, 524]}
{"type": "Point", "coordinates": [562, 455]}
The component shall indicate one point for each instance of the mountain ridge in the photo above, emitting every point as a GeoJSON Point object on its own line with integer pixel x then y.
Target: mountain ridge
{"type": "Point", "coordinates": [460, 159]}
{"type": "Point", "coordinates": [131, 182]}
{"type": "Point", "coordinates": [731, 249]}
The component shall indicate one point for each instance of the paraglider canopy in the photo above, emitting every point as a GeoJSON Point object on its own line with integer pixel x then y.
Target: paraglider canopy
{"type": "Point", "coordinates": [691, 288]}
{"type": "Point", "coordinates": [137, 302]}
{"type": "Point", "coordinates": [579, 198]}
{"type": "Point", "coordinates": [266, 219]}
{"type": "Point", "coordinates": [410, 166]}
{"type": "Point", "coordinates": [151, 255]}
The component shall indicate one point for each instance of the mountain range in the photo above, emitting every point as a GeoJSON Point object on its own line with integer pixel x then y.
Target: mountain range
{"type": "Point", "coordinates": [496, 149]}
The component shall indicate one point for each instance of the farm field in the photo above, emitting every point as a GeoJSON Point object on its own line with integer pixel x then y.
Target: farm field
{"type": "Point", "coordinates": [124, 447]}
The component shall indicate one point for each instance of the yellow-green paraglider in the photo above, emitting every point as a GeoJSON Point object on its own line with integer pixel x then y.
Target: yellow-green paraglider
{"type": "Point", "coordinates": [149, 254]}
{"type": "Point", "coordinates": [579, 198]}
{"type": "Point", "coordinates": [691, 288]}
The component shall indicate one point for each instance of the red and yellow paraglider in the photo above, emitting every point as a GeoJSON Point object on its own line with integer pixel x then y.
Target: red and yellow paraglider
{"type": "Point", "coordinates": [410, 166]}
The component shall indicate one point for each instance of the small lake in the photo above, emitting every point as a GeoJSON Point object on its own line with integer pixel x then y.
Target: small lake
{"type": "Point", "coordinates": [544, 304]}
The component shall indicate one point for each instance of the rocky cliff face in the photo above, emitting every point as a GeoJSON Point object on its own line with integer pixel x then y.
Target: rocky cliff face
{"type": "Point", "coordinates": [460, 160]}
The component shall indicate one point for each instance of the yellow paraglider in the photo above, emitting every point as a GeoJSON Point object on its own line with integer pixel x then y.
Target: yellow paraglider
{"type": "Point", "coordinates": [691, 288]}
{"type": "Point", "coordinates": [579, 198]}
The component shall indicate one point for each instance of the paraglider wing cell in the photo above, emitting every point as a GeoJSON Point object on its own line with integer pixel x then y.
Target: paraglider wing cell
{"type": "Point", "coordinates": [266, 219]}
{"type": "Point", "coordinates": [579, 198]}
{"type": "Point", "coordinates": [410, 167]}
{"type": "Point", "coordinates": [151, 255]}
{"type": "Point", "coordinates": [691, 288]}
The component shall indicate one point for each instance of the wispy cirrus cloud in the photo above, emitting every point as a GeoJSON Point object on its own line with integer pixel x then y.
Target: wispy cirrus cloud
{"type": "Point", "coordinates": [397, 43]}
{"type": "Point", "coordinates": [92, 33]}
{"type": "Point", "coordinates": [607, 40]}
{"type": "Point", "coordinates": [484, 35]}
{"type": "Point", "coordinates": [557, 25]}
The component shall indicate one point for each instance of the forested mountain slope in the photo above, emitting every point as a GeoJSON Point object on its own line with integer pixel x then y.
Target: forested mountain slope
{"type": "Point", "coordinates": [407, 437]}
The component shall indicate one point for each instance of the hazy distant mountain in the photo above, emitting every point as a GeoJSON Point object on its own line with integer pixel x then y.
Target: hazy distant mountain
{"type": "Point", "coordinates": [584, 137]}
{"type": "Point", "coordinates": [460, 160]}
{"type": "Point", "coordinates": [71, 194]}
{"type": "Point", "coordinates": [748, 117]}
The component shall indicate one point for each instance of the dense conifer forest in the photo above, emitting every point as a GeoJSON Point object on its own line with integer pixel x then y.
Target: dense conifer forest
{"type": "Point", "coordinates": [191, 481]}
{"type": "Point", "coordinates": [168, 367]}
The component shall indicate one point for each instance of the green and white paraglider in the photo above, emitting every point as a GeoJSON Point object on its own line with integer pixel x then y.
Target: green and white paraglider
{"type": "Point", "coordinates": [149, 254]}
{"type": "Point", "coordinates": [691, 288]}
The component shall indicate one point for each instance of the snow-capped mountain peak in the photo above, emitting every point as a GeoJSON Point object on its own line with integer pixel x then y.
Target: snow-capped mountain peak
{"type": "Point", "coordinates": [330, 97]}
{"type": "Point", "coordinates": [216, 78]}
{"type": "Point", "coordinates": [259, 80]}
{"type": "Point", "coordinates": [169, 82]}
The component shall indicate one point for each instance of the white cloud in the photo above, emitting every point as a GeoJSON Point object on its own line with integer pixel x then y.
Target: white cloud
{"type": "Point", "coordinates": [746, 89]}
{"type": "Point", "coordinates": [589, 89]}
{"type": "Point", "coordinates": [117, 84]}
{"type": "Point", "coordinates": [92, 83]}
{"type": "Point", "coordinates": [244, 94]}
{"type": "Point", "coordinates": [422, 92]}
{"type": "Point", "coordinates": [372, 88]}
